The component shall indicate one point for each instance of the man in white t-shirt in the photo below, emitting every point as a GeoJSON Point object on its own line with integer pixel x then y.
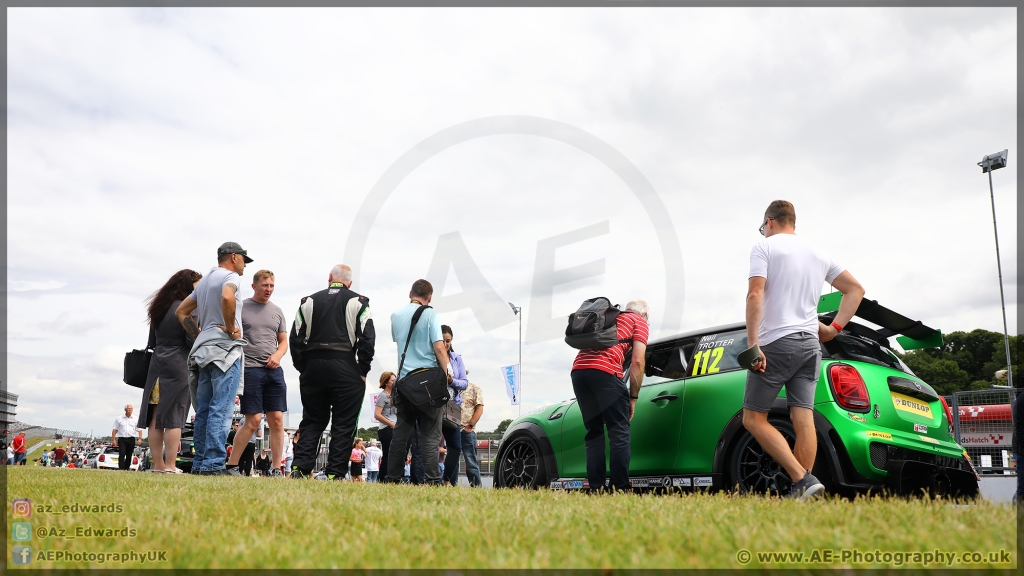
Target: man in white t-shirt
{"type": "Point", "coordinates": [785, 283]}
{"type": "Point", "coordinates": [373, 456]}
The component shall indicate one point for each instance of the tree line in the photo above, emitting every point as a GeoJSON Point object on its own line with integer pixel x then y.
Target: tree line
{"type": "Point", "coordinates": [965, 361]}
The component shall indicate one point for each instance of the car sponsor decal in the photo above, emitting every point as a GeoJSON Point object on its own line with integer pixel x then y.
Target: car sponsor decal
{"type": "Point", "coordinates": [857, 418]}
{"type": "Point", "coordinates": [572, 484]}
{"type": "Point", "coordinates": [877, 434]}
{"type": "Point", "coordinates": [920, 428]}
{"type": "Point", "coordinates": [928, 440]}
{"type": "Point", "coordinates": [639, 482]}
{"type": "Point", "coordinates": [990, 439]}
{"type": "Point", "coordinates": [678, 482]}
{"type": "Point", "coordinates": [556, 485]}
{"type": "Point", "coordinates": [702, 481]}
{"type": "Point", "coordinates": [905, 403]}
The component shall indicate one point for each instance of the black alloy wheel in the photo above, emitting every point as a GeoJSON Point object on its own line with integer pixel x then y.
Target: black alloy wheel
{"type": "Point", "coordinates": [754, 470]}
{"type": "Point", "coordinates": [520, 465]}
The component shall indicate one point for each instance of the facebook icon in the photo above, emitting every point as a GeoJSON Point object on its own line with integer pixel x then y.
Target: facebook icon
{"type": "Point", "coordinates": [21, 554]}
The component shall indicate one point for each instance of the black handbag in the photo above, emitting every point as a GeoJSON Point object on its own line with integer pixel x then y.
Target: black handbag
{"type": "Point", "coordinates": [426, 387]}
{"type": "Point", "coordinates": [136, 363]}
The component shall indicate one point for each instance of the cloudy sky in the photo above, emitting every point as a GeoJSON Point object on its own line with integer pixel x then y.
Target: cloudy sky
{"type": "Point", "coordinates": [534, 156]}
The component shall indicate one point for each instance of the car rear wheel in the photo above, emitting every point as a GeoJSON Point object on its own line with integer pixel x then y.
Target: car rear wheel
{"type": "Point", "coordinates": [753, 470]}
{"type": "Point", "coordinates": [520, 465]}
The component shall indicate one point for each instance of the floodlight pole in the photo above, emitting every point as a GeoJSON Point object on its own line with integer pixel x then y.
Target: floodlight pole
{"type": "Point", "coordinates": [999, 267]}
{"type": "Point", "coordinates": [518, 310]}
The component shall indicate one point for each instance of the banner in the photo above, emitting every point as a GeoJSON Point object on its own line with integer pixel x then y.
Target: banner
{"type": "Point", "coordinates": [510, 374]}
{"type": "Point", "coordinates": [373, 407]}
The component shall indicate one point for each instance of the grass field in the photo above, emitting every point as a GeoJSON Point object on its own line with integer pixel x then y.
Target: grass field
{"type": "Point", "coordinates": [218, 522]}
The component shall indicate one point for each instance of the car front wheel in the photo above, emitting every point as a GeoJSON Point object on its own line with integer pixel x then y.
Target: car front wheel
{"type": "Point", "coordinates": [521, 464]}
{"type": "Point", "coordinates": [752, 469]}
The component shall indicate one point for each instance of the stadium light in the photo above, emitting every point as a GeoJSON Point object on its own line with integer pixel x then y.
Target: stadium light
{"type": "Point", "coordinates": [517, 310]}
{"type": "Point", "coordinates": [988, 164]}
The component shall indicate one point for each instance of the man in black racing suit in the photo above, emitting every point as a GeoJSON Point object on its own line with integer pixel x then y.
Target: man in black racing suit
{"type": "Point", "coordinates": [331, 343]}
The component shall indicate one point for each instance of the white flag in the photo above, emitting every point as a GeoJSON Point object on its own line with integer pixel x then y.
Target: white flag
{"type": "Point", "coordinates": [510, 374]}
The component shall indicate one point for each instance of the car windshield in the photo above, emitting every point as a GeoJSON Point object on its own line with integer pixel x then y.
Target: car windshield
{"type": "Point", "coordinates": [863, 350]}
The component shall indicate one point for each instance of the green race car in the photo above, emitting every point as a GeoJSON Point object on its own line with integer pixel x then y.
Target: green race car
{"type": "Point", "coordinates": [880, 428]}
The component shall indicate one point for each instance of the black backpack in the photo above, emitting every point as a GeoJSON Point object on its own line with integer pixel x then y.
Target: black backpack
{"type": "Point", "coordinates": [593, 326]}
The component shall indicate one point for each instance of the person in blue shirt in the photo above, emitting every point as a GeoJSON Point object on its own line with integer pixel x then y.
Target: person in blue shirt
{"type": "Point", "coordinates": [426, 349]}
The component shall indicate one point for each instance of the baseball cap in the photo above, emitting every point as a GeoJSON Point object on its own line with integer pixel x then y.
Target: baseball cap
{"type": "Point", "coordinates": [233, 248]}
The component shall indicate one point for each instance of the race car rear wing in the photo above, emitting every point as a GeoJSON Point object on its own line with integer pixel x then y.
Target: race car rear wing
{"type": "Point", "coordinates": [915, 335]}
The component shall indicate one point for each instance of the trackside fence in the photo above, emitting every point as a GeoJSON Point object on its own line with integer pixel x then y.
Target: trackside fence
{"type": "Point", "coordinates": [983, 425]}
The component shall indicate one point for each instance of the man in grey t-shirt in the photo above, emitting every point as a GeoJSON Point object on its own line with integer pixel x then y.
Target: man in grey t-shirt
{"type": "Point", "coordinates": [264, 390]}
{"type": "Point", "coordinates": [217, 353]}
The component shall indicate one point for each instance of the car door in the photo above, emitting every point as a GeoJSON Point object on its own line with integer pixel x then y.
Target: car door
{"type": "Point", "coordinates": [654, 430]}
{"type": "Point", "coordinates": [714, 393]}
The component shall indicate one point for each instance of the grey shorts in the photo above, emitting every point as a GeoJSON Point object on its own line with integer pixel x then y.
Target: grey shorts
{"type": "Point", "coordinates": [794, 361]}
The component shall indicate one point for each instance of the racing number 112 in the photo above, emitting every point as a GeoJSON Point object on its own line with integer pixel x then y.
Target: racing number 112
{"type": "Point", "coordinates": [700, 361]}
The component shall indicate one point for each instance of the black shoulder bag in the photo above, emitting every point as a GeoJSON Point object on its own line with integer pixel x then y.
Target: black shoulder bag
{"type": "Point", "coordinates": [423, 388]}
{"type": "Point", "coordinates": [136, 363]}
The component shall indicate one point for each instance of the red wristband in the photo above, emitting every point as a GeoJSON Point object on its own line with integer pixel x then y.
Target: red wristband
{"type": "Point", "coordinates": [836, 326]}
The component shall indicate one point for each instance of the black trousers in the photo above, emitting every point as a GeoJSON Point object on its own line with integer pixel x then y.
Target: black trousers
{"type": "Point", "coordinates": [428, 434]}
{"type": "Point", "coordinates": [331, 390]}
{"type": "Point", "coordinates": [125, 451]}
{"type": "Point", "coordinates": [247, 459]}
{"type": "Point", "coordinates": [384, 435]}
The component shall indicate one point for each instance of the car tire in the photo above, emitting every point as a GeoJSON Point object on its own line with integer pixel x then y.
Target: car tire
{"type": "Point", "coordinates": [521, 464]}
{"type": "Point", "coordinates": [753, 470]}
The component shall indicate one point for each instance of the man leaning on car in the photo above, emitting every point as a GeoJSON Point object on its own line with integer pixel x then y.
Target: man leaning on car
{"type": "Point", "coordinates": [784, 285]}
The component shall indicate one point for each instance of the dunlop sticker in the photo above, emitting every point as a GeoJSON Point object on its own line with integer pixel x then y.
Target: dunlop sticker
{"type": "Point", "coordinates": [882, 435]}
{"type": "Point", "coordinates": [910, 405]}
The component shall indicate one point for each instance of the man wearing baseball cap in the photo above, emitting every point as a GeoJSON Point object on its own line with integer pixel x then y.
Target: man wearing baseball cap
{"type": "Point", "coordinates": [215, 362]}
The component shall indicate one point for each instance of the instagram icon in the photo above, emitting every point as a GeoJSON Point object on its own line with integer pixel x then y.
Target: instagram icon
{"type": "Point", "coordinates": [21, 507]}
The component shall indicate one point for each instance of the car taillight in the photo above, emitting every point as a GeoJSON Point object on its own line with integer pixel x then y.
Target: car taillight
{"type": "Point", "coordinates": [102, 459]}
{"type": "Point", "coordinates": [949, 414]}
{"type": "Point", "coordinates": [849, 388]}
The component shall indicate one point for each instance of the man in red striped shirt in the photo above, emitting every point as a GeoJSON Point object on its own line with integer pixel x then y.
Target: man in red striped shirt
{"type": "Point", "coordinates": [599, 381]}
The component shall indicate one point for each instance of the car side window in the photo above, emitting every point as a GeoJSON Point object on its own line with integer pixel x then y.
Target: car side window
{"type": "Point", "coordinates": [716, 353]}
{"type": "Point", "coordinates": [667, 362]}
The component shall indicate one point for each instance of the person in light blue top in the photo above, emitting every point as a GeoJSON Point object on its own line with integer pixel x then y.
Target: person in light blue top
{"type": "Point", "coordinates": [426, 350]}
{"type": "Point", "coordinates": [453, 436]}
{"type": "Point", "coordinates": [421, 352]}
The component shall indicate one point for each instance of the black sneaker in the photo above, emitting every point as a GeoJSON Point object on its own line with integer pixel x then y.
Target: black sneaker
{"type": "Point", "coordinates": [299, 474]}
{"type": "Point", "coordinates": [806, 488]}
{"type": "Point", "coordinates": [233, 471]}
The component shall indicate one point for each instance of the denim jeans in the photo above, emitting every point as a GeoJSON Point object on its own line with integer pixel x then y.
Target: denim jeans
{"type": "Point", "coordinates": [604, 402]}
{"type": "Point", "coordinates": [371, 475]}
{"type": "Point", "coordinates": [472, 463]}
{"type": "Point", "coordinates": [450, 467]}
{"type": "Point", "coordinates": [215, 395]}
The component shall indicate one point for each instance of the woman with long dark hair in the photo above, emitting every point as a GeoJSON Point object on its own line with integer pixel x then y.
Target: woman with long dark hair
{"type": "Point", "coordinates": [166, 397]}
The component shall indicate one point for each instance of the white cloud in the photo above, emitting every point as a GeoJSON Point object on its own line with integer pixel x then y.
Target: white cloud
{"type": "Point", "coordinates": [139, 140]}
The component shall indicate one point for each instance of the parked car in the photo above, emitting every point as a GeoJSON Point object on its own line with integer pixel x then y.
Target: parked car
{"type": "Point", "coordinates": [108, 459]}
{"type": "Point", "coordinates": [186, 449]}
{"type": "Point", "coordinates": [90, 459]}
{"type": "Point", "coordinates": [879, 426]}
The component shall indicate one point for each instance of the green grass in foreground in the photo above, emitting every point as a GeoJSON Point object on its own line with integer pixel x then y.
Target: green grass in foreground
{"type": "Point", "coordinates": [218, 522]}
